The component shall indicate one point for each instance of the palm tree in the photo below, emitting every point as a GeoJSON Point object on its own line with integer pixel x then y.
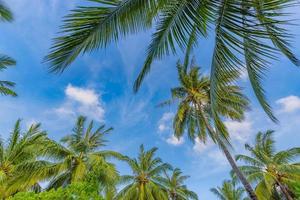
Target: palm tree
{"type": "Point", "coordinates": [194, 113]}
{"type": "Point", "coordinates": [20, 150]}
{"type": "Point", "coordinates": [229, 191]}
{"type": "Point", "coordinates": [5, 61]}
{"type": "Point", "coordinates": [144, 183]}
{"type": "Point", "coordinates": [271, 170]}
{"type": "Point", "coordinates": [247, 33]}
{"type": "Point", "coordinates": [80, 156]}
{"type": "Point", "coordinates": [174, 185]}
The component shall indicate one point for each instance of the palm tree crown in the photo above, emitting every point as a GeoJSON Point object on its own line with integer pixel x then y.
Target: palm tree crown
{"type": "Point", "coordinates": [174, 185]}
{"type": "Point", "coordinates": [144, 183]}
{"type": "Point", "coordinates": [229, 191]}
{"type": "Point", "coordinates": [20, 150]}
{"type": "Point", "coordinates": [272, 170]}
{"type": "Point", "coordinates": [195, 117]}
{"type": "Point", "coordinates": [81, 156]}
{"type": "Point", "coordinates": [194, 113]}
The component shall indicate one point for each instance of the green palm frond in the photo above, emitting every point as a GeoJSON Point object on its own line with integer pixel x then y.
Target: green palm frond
{"type": "Point", "coordinates": [248, 35]}
{"type": "Point", "coordinates": [5, 13]}
{"type": "Point", "coordinates": [89, 28]}
{"type": "Point", "coordinates": [146, 171]}
{"type": "Point", "coordinates": [80, 158]}
{"type": "Point", "coordinates": [6, 87]}
{"type": "Point", "coordinates": [20, 168]}
{"type": "Point", "coordinates": [174, 185]}
{"type": "Point", "coordinates": [229, 191]}
{"type": "Point", "coordinates": [268, 168]}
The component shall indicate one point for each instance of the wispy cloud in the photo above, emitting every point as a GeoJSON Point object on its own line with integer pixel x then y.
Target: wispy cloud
{"type": "Point", "coordinates": [289, 104]}
{"type": "Point", "coordinates": [164, 124]}
{"type": "Point", "coordinates": [200, 147]}
{"type": "Point", "coordinates": [175, 141]}
{"type": "Point", "coordinates": [83, 101]}
{"type": "Point", "coordinates": [239, 131]}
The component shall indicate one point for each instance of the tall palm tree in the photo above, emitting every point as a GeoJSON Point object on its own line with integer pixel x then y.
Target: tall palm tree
{"type": "Point", "coordinates": [247, 33]}
{"type": "Point", "coordinates": [174, 185]}
{"type": "Point", "coordinates": [81, 155]}
{"type": "Point", "coordinates": [271, 170]}
{"type": "Point", "coordinates": [229, 191]}
{"type": "Point", "coordinates": [144, 184]}
{"type": "Point", "coordinates": [194, 113]}
{"type": "Point", "coordinates": [6, 87]}
{"type": "Point", "coordinates": [21, 148]}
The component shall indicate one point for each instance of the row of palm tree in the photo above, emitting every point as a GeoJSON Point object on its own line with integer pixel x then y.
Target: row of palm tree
{"type": "Point", "coordinates": [248, 35]}
{"type": "Point", "coordinates": [30, 158]}
{"type": "Point", "coordinates": [242, 30]}
{"type": "Point", "coordinates": [274, 174]}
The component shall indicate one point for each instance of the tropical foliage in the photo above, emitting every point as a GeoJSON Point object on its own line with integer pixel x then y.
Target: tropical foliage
{"type": "Point", "coordinates": [80, 191]}
{"type": "Point", "coordinates": [194, 113]}
{"type": "Point", "coordinates": [248, 35]}
{"type": "Point", "coordinates": [272, 171]}
{"type": "Point", "coordinates": [20, 150]}
{"type": "Point", "coordinates": [81, 156]}
{"type": "Point", "coordinates": [229, 191]}
{"type": "Point", "coordinates": [6, 87]}
{"type": "Point", "coordinates": [174, 185]}
{"type": "Point", "coordinates": [144, 181]}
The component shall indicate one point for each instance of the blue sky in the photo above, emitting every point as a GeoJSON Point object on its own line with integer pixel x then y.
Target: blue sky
{"type": "Point", "coordinates": [99, 85]}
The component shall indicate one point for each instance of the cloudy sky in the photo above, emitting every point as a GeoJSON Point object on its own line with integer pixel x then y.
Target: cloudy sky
{"type": "Point", "coordinates": [99, 86]}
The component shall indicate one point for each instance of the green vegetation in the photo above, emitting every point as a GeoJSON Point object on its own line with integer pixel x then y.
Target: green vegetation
{"type": "Point", "coordinates": [75, 191]}
{"type": "Point", "coordinates": [6, 87]}
{"type": "Point", "coordinates": [194, 113]}
{"type": "Point", "coordinates": [79, 170]}
{"type": "Point", "coordinates": [248, 35]}
{"type": "Point", "coordinates": [144, 183]}
{"type": "Point", "coordinates": [174, 185]}
{"type": "Point", "coordinates": [20, 151]}
{"type": "Point", "coordinates": [229, 191]}
{"type": "Point", "coordinates": [272, 171]}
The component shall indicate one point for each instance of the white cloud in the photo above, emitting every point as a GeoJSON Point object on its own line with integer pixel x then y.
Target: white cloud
{"type": "Point", "coordinates": [239, 131]}
{"type": "Point", "coordinates": [163, 127]}
{"type": "Point", "coordinates": [200, 147]}
{"type": "Point", "coordinates": [82, 101]}
{"type": "Point", "coordinates": [82, 95]}
{"type": "Point", "coordinates": [164, 124]}
{"type": "Point", "coordinates": [175, 141]}
{"type": "Point", "coordinates": [289, 104]}
{"type": "Point", "coordinates": [210, 153]}
{"type": "Point", "coordinates": [217, 156]}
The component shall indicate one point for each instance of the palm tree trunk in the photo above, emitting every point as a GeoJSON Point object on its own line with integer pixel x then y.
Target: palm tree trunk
{"type": "Point", "coordinates": [237, 171]}
{"type": "Point", "coordinates": [230, 159]}
{"type": "Point", "coordinates": [284, 191]}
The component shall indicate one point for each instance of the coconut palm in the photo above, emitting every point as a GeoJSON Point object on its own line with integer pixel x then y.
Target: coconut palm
{"type": "Point", "coordinates": [5, 61]}
{"type": "Point", "coordinates": [81, 155]}
{"type": "Point", "coordinates": [144, 184]}
{"type": "Point", "coordinates": [21, 149]}
{"type": "Point", "coordinates": [174, 185]}
{"type": "Point", "coordinates": [194, 113]}
{"type": "Point", "coordinates": [229, 191]}
{"type": "Point", "coordinates": [271, 170]}
{"type": "Point", "coordinates": [247, 33]}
